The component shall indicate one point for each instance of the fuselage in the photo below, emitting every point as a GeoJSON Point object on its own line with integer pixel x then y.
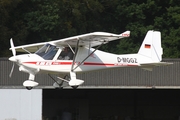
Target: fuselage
{"type": "Point", "coordinates": [96, 61]}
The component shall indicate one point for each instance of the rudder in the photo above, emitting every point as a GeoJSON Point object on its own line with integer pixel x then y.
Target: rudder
{"type": "Point", "coordinates": [151, 46]}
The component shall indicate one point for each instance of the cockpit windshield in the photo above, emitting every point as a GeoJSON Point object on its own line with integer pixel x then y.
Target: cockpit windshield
{"type": "Point", "coordinates": [47, 52]}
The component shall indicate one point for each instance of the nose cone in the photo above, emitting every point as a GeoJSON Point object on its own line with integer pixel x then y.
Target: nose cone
{"type": "Point", "coordinates": [13, 59]}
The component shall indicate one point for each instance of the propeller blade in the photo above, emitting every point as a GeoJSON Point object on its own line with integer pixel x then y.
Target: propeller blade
{"type": "Point", "coordinates": [12, 47]}
{"type": "Point", "coordinates": [12, 69]}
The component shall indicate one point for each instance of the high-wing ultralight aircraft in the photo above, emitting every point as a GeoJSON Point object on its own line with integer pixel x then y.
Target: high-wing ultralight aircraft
{"type": "Point", "coordinates": [72, 55]}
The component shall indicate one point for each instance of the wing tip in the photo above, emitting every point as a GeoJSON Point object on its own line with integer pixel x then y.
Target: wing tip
{"type": "Point", "coordinates": [126, 33]}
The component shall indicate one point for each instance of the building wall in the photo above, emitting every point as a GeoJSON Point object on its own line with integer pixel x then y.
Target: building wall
{"type": "Point", "coordinates": [160, 77]}
{"type": "Point", "coordinates": [20, 104]}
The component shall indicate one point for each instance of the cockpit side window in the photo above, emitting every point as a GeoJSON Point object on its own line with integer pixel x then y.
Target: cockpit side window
{"type": "Point", "coordinates": [47, 52]}
{"type": "Point", "coordinates": [66, 54]}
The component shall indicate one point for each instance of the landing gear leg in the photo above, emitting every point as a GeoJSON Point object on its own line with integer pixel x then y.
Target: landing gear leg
{"type": "Point", "coordinates": [74, 83]}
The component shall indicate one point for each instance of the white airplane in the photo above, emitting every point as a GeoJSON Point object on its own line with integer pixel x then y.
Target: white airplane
{"type": "Point", "coordinates": [66, 57]}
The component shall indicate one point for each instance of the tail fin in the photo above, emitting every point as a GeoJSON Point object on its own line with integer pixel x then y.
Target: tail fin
{"type": "Point", "coordinates": [151, 46]}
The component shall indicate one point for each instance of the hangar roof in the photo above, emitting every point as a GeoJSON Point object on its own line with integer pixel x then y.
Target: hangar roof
{"type": "Point", "coordinates": [125, 78]}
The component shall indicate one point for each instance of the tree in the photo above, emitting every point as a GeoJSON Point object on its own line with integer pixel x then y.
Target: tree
{"type": "Point", "coordinates": [12, 24]}
{"type": "Point", "coordinates": [43, 20]}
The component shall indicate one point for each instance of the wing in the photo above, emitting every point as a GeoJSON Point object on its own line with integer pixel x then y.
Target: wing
{"type": "Point", "coordinates": [92, 39]}
{"type": "Point", "coordinates": [30, 48]}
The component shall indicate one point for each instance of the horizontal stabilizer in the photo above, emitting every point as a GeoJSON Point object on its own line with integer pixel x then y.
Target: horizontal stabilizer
{"type": "Point", "coordinates": [149, 66]}
{"type": "Point", "coordinates": [157, 64]}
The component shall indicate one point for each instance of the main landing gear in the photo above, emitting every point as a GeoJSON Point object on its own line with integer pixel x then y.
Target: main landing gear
{"type": "Point", "coordinates": [67, 81]}
{"type": "Point", "coordinates": [60, 83]}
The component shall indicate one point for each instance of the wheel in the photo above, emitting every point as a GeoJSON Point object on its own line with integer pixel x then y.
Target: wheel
{"type": "Point", "coordinates": [74, 87]}
{"type": "Point", "coordinates": [59, 88]}
{"type": "Point", "coordinates": [29, 88]}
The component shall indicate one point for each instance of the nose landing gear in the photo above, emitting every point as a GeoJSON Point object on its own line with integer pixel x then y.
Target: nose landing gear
{"type": "Point", "coordinates": [29, 84]}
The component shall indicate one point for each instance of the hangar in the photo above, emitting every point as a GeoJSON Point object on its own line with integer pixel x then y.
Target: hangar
{"type": "Point", "coordinates": [115, 94]}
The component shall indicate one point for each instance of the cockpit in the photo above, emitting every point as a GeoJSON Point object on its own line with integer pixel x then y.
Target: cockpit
{"type": "Point", "coordinates": [48, 52]}
{"type": "Point", "coordinates": [66, 54]}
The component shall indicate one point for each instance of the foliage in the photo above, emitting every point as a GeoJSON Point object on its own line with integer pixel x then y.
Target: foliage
{"type": "Point", "coordinates": [32, 21]}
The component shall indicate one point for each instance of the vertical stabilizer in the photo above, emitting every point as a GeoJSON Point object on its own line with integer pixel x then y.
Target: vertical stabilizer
{"type": "Point", "coordinates": [151, 46]}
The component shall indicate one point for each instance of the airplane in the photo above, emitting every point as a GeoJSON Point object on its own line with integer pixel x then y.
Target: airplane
{"type": "Point", "coordinates": [69, 56]}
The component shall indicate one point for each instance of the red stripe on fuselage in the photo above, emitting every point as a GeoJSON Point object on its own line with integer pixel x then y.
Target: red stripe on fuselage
{"type": "Point", "coordinates": [70, 63]}
{"type": "Point", "coordinates": [30, 62]}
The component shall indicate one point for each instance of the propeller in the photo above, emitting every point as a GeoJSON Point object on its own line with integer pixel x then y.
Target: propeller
{"type": "Point", "coordinates": [12, 47]}
{"type": "Point", "coordinates": [12, 58]}
{"type": "Point", "coordinates": [12, 69]}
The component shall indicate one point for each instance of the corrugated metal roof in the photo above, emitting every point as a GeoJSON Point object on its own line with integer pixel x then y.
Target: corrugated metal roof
{"type": "Point", "coordinates": [160, 77]}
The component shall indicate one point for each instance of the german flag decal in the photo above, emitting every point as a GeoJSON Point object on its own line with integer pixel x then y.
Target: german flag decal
{"type": "Point", "coordinates": [147, 46]}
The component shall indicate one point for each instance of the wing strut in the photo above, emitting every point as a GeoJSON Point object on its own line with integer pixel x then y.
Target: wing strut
{"type": "Point", "coordinates": [74, 57]}
{"type": "Point", "coordinates": [70, 48]}
{"type": "Point", "coordinates": [26, 50]}
{"type": "Point", "coordinates": [89, 47]}
{"type": "Point", "coordinates": [72, 69]}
